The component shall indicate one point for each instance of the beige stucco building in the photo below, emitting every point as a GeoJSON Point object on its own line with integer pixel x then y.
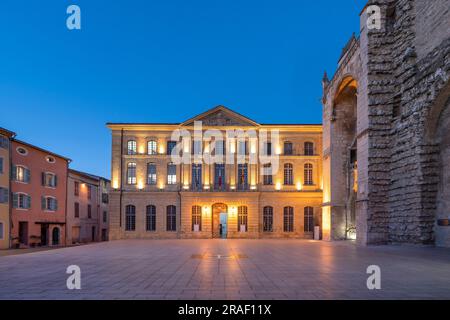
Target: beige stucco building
{"type": "Point", "coordinates": [223, 179]}
{"type": "Point", "coordinates": [87, 208]}
{"type": "Point", "coordinates": [5, 220]}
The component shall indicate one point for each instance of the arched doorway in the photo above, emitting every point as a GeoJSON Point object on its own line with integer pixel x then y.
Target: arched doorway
{"type": "Point", "coordinates": [345, 162]}
{"type": "Point", "coordinates": [219, 220]}
{"type": "Point", "coordinates": [55, 236]}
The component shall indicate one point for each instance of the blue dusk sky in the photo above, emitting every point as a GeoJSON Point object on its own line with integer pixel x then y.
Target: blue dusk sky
{"type": "Point", "coordinates": [161, 61]}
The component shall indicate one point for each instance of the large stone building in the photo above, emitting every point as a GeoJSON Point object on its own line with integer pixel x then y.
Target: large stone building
{"type": "Point", "coordinates": [386, 116]}
{"type": "Point", "coordinates": [87, 208]}
{"type": "Point", "coordinates": [259, 188]}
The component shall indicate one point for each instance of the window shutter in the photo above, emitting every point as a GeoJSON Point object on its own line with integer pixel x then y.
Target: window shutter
{"type": "Point", "coordinates": [56, 181]}
{"type": "Point", "coordinates": [43, 179]}
{"type": "Point", "coordinates": [13, 172]}
{"type": "Point", "coordinates": [28, 202]}
{"type": "Point", "coordinates": [15, 200]}
{"type": "Point", "coordinates": [55, 205]}
{"type": "Point", "coordinates": [27, 175]}
{"type": "Point", "coordinates": [43, 204]}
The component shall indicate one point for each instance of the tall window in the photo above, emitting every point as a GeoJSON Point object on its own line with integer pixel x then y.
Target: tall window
{"type": "Point", "coordinates": [49, 204]}
{"type": "Point", "coordinates": [197, 147]}
{"type": "Point", "coordinates": [1, 165]}
{"type": "Point", "coordinates": [171, 174]}
{"type": "Point", "coordinates": [309, 219]}
{"type": "Point", "coordinates": [76, 188]}
{"type": "Point", "coordinates": [219, 147]}
{"type": "Point", "coordinates": [288, 149]}
{"type": "Point", "coordinates": [196, 176]}
{"type": "Point", "coordinates": [21, 201]}
{"type": "Point", "coordinates": [4, 195]}
{"type": "Point", "coordinates": [130, 218]}
{"type": "Point", "coordinates": [170, 146]}
{"type": "Point", "coordinates": [21, 174]}
{"type": "Point", "coordinates": [308, 178]}
{"type": "Point", "coordinates": [150, 222]}
{"type": "Point", "coordinates": [105, 216]}
{"type": "Point", "coordinates": [151, 147]}
{"type": "Point", "coordinates": [242, 219]}
{"type": "Point", "coordinates": [219, 176]}
{"type": "Point", "coordinates": [151, 174]}
{"type": "Point", "coordinates": [1, 231]}
{"type": "Point", "coordinates": [268, 219]}
{"type": "Point", "coordinates": [268, 148]}
{"type": "Point", "coordinates": [309, 149]}
{"type": "Point", "coordinates": [196, 218]}
{"type": "Point", "coordinates": [171, 218]}
{"type": "Point", "coordinates": [242, 148]}
{"type": "Point", "coordinates": [267, 174]}
{"type": "Point", "coordinates": [242, 176]}
{"type": "Point", "coordinates": [4, 142]}
{"type": "Point", "coordinates": [131, 173]}
{"type": "Point", "coordinates": [288, 225]}
{"type": "Point", "coordinates": [89, 210]}
{"type": "Point", "coordinates": [131, 147]}
{"type": "Point", "coordinates": [89, 192]}
{"type": "Point", "coordinates": [288, 174]}
{"type": "Point", "coordinates": [49, 179]}
{"type": "Point", "coordinates": [76, 209]}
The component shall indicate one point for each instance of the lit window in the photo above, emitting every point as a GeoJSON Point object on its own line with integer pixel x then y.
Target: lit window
{"type": "Point", "coordinates": [21, 174]}
{"type": "Point", "coordinates": [288, 174]}
{"type": "Point", "coordinates": [152, 147]}
{"type": "Point", "coordinates": [130, 218]}
{"type": "Point", "coordinates": [131, 173]}
{"type": "Point", "coordinates": [196, 218]}
{"type": "Point", "coordinates": [267, 174]}
{"type": "Point", "coordinates": [288, 225]}
{"type": "Point", "coordinates": [242, 219]}
{"type": "Point", "coordinates": [171, 174]}
{"type": "Point", "coordinates": [131, 147]}
{"type": "Point", "coordinates": [151, 174]}
{"type": "Point", "coordinates": [308, 172]}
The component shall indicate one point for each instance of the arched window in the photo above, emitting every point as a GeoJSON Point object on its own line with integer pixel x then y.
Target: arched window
{"type": "Point", "coordinates": [171, 174]}
{"type": "Point", "coordinates": [131, 173]}
{"type": "Point", "coordinates": [288, 225]}
{"type": "Point", "coordinates": [152, 147]}
{"type": "Point", "coordinates": [309, 149]}
{"type": "Point", "coordinates": [150, 215]}
{"type": "Point", "coordinates": [267, 174]}
{"type": "Point", "coordinates": [309, 219]}
{"type": "Point", "coordinates": [268, 219]}
{"type": "Point", "coordinates": [171, 218]}
{"type": "Point", "coordinates": [308, 178]}
{"type": "Point", "coordinates": [288, 174]}
{"type": "Point", "coordinates": [288, 149]}
{"type": "Point", "coordinates": [131, 147]}
{"type": "Point", "coordinates": [130, 218]}
{"type": "Point", "coordinates": [151, 173]}
{"type": "Point", "coordinates": [242, 219]}
{"type": "Point", "coordinates": [196, 218]}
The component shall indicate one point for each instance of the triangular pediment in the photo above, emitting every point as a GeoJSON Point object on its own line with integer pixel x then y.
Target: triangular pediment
{"type": "Point", "coordinates": [222, 117]}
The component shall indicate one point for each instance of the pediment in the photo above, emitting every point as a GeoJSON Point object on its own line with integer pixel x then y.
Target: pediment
{"type": "Point", "coordinates": [221, 117]}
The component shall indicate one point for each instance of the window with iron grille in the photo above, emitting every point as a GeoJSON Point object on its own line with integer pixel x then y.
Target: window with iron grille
{"type": "Point", "coordinates": [309, 149]}
{"type": "Point", "coordinates": [267, 174]}
{"type": "Point", "coordinates": [268, 219]}
{"type": "Point", "coordinates": [131, 147]}
{"type": "Point", "coordinates": [131, 173]}
{"type": "Point", "coordinates": [308, 178]}
{"type": "Point", "coordinates": [288, 150]}
{"type": "Point", "coordinates": [150, 224]}
{"type": "Point", "coordinates": [152, 147]}
{"type": "Point", "coordinates": [288, 174]}
{"type": "Point", "coordinates": [171, 221]}
{"type": "Point", "coordinates": [171, 174]}
{"type": "Point", "coordinates": [151, 174]}
{"type": "Point", "coordinates": [196, 176]}
{"type": "Point", "coordinates": [130, 218]}
{"type": "Point", "coordinates": [197, 217]}
{"type": "Point", "coordinates": [242, 176]}
{"type": "Point", "coordinates": [309, 219]}
{"type": "Point", "coordinates": [288, 225]}
{"type": "Point", "coordinates": [242, 218]}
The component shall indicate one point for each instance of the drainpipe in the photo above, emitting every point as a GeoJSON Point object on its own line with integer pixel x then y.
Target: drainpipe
{"type": "Point", "coordinates": [121, 178]}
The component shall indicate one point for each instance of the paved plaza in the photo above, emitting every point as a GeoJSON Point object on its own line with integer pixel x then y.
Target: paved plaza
{"type": "Point", "coordinates": [227, 269]}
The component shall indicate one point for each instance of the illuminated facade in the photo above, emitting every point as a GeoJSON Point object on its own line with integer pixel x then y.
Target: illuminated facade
{"type": "Point", "coordinates": [242, 185]}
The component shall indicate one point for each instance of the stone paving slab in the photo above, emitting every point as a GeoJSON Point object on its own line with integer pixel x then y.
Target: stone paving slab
{"type": "Point", "coordinates": [246, 269]}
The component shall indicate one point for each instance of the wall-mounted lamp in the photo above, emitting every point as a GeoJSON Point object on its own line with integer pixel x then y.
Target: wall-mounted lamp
{"type": "Point", "coordinates": [233, 210]}
{"type": "Point", "coordinates": [299, 186]}
{"type": "Point", "coordinates": [206, 210]}
{"type": "Point", "coordinates": [206, 187]}
{"type": "Point", "coordinates": [278, 186]}
{"type": "Point", "coordinates": [140, 185]}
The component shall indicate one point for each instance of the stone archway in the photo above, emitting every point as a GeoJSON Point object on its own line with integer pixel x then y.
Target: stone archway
{"type": "Point", "coordinates": [217, 209]}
